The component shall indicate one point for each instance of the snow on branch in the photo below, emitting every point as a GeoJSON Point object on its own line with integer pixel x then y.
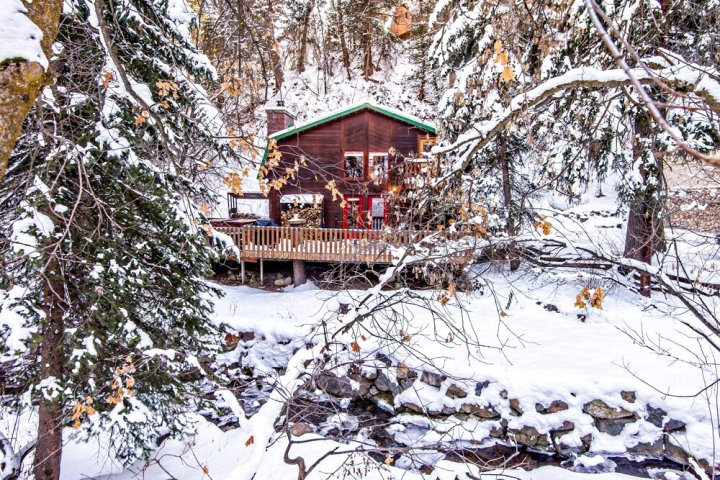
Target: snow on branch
{"type": "Point", "coordinates": [689, 77]}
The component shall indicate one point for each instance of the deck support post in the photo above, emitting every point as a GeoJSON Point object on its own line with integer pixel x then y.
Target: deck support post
{"type": "Point", "coordinates": [299, 275]}
{"type": "Point", "coordinates": [242, 271]}
{"type": "Point", "coordinates": [262, 272]}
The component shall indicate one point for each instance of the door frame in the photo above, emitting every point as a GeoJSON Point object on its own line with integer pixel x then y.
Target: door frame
{"type": "Point", "coordinates": [360, 205]}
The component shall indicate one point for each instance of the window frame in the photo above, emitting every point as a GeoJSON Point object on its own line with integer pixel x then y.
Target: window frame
{"type": "Point", "coordinates": [386, 176]}
{"type": "Point", "coordinates": [362, 164]}
{"type": "Point", "coordinates": [423, 140]}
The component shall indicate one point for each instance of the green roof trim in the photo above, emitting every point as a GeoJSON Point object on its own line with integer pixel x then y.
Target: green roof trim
{"type": "Point", "coordinates": [290, 131]}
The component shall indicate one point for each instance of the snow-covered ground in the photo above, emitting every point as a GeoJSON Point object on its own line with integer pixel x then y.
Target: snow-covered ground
{"type": "Point", "coordinates": [536, 355]}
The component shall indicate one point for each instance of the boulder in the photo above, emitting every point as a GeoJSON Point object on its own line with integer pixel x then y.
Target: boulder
{"type": "Point", "coordinates": [432, 379]}
{"type": "Point", "coordinates": [283, 282]}
{"type": "Point", "coordinates": [654, 449]}
{"type": "Point", "coordinates": [673, 452]}
{"type": "Point", "coordinates": [601, 410]}
{"type": "Point", "coordinates": [673, 426]}
{"type": "Point", "coordinates": [456, 391]}
{"type": "Point", "coordinates": [384, 384]}
{"type": "Point", "coordinates": [655, 416]}
{"type": "Point", "coordinates": [516, 409]}
{"type": "Point", "coordinates": [629, 397]}
{"type": "Point", "coordinates": [612, 426]}
{"type": "Point", "coordinates": [488, 413]}
{"type": "Point", "coordinates": [336, 386]}
{"type": "Point", "coordinates": [480, 386]}
{"type": "Point", "coordinates": [557, 406]}
{"type": "Point", "coordinates": [530, 437]}
{"type": "Point", "coordinates": [300, 429]}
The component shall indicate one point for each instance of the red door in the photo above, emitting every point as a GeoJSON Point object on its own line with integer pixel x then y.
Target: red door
{"type": "Point", "coordinates": [353, 211]}
{"type": "Point", "coordinates": [377, 212]}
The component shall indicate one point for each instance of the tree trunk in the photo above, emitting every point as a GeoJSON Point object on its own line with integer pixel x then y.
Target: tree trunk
{"type": "Point", "coordinates": [368, 69]}
{"type": "Point", "coordinates": [21, 82]}
{"type": "Point", "coordinates": [343, 42]}
{"type": "Point", "coordinates": [48, 452]}
{"type": "Point", "coordinates": [302, 53]}
{"type": "Point", "coordinates": [507, 201]}
{"type": "Point", "coordinates": [645, 231]}
{"type": "Point", "coordinates": [275, 61]}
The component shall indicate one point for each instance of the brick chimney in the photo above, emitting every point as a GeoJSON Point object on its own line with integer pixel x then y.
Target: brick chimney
{"type": "Point", "coordinates": [278, 118]}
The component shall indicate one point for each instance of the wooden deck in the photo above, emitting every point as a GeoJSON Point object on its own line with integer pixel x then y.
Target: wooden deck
{"type": "Point", "coordinates": [331, 245]}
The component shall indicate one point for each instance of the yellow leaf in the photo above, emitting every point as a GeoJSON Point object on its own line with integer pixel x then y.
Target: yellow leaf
{"type": "Point", "coordinates": [507, 75]}
{"type": "Point", "coordinates": [498, 47]}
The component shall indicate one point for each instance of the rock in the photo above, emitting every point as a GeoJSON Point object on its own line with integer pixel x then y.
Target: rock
{"type": "Point", "coordinates": [478, 411]}
{"type": "Point", "coordinates": [283, 282]}
{"type": "Point", "coordinates": [601, 410]}
{"type": "Point", "coordinates": [515, 407]}
{"type": "Point", "coordinates": [567, 426]}
{"type": "Point", "coordinates": [384, 359]}
{"type": "Point", "coordinates": [529, 436]}
{"type": "Point", "coordinates": [299, 429]}
{"type": "Point", "coordinates": [629, 397]}
{"type": "Point", "coordinates": [384, 384]}
{"type": "Point", "coordinates": [503, 394]}
{"type": "Point", "coordinates": [414, 407]}
{"type": "Point", "coordinates": [654, 449]}
{"type": "Point", "coordinates": [432, 379]}
{"type": "Point", "coordinates": [551, 308]}
{"type": "Point", "coordinates": [363, 383]}
{"type": "Point", "coordinates": [655, 416]}
{"type": "Point", "coordinates": [557, 406]}
{"type": "Point", "coordinates": [455, 391]}
{"type": "Point", "coordinates": [336, 386]}
{"type": "Point", "coordinates": [673, 452]}
{"type": "Point", "coordinates": [499, 431]}
{"type": "Point", "coordinates": [673, 426]}
{"type": "Point", "coordinates": [612, 426]}
{"type": "Point", "coordinates": [586, 441]}
{"type": "Point", "coordinates": [480, 386]}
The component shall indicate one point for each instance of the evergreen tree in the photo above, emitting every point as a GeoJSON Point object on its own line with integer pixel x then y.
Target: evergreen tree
{"type": "Point", "coordinates": [505, 58]}
{"type": "Point", "coordinates": [104, 264]}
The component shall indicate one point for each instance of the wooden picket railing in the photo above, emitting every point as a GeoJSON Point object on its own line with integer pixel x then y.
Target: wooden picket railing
{"type": "Point", "coordinates": [318, 244]}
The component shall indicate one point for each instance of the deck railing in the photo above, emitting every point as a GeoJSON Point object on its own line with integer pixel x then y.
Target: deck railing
{"type": "Point", "coordinates": [319, 244]}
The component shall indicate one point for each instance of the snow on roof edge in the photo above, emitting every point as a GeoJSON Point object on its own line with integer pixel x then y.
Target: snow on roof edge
{"type": "Point", "coordinates": [350, 108]}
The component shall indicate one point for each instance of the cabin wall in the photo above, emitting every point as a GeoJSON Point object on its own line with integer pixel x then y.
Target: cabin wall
{"type": "Point", "coordinates": [324, 146]}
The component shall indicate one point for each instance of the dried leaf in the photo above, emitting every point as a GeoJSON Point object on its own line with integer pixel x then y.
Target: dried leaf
{"type": "Point", "coordinates": [355, 347]}
{"type": "Point", "coordinates": [250, 441]}
{"type": "Point", "coordinates": [507, 75]}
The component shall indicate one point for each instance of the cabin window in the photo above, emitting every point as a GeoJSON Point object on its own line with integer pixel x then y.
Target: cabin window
{"type": "Point", "coordinates": [353, 165]}
{"type": "Point", "coordinates": [425, 145]}
{"type": "Point", "coordinates": [378, 167]}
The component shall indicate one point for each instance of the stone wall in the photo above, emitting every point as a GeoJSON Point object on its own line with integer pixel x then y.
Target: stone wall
{"type": "Point", "coordinates": [566, 427]}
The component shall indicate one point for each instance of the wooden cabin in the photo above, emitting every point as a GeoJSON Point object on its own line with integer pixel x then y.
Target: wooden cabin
{"type": "Point", "coordinates": [359, 149]}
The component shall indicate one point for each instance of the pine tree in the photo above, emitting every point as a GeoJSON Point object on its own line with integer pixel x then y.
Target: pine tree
{"type": "Point", "coordinates": [104, 264]}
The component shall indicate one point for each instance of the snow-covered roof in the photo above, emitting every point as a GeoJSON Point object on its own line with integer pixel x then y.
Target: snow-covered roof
{"type": "Point", "coordinates": [302, 198]}
{"type": "Point", "coordinates": [382, 109]}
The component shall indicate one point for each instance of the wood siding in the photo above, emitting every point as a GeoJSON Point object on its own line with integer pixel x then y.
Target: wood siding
{"type": "Point", "coordinates": [323, 146]}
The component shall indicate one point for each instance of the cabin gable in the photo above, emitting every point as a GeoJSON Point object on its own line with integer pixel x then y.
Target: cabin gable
{"type": "Point", "coordinates": [366, 136]}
